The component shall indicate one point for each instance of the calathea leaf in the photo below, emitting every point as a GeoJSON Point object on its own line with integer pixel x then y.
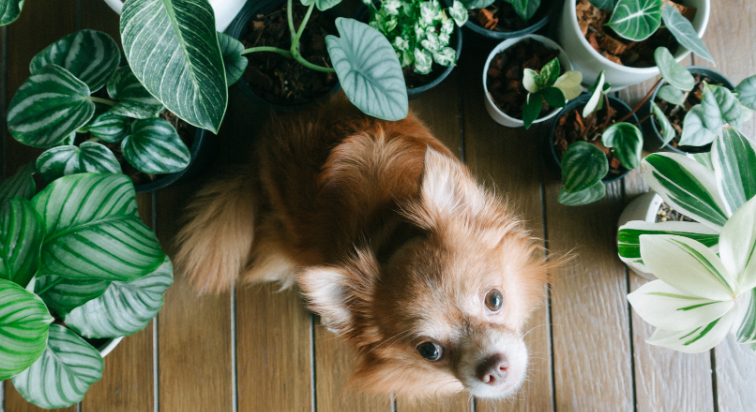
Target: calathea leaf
{"type": "Point", "coordinates": [155, 147]}
{"type": "Point", "coordinates": [64, 295]}
{"type": "Point", "coordinates": [684, 32]}
{"type": "Point", "coordinates": [20, 184]}
{"type": "Point", "coordinates": [21, 233]}
{"type": "Point", "coordinates": [719, 107]}
{"type": "Point", "coordinates": [91, 56]}
{"type": "Point", "coordinates": [746, 92]}
{"type": "Point", "coordinates": [672, 71]}
{"type": "Point", "coordinates": [583, 165]}
{"type": "Point", "coordinates": [627, 141]}
{"type": "Point", "coordinates": [667, 131]}
{"type": "Point", "coordinates": [582, 197]}
{"type": "Point", "coordinates": [734, 160]}
{"type": "Point", "coordinates": [10, 10]}
{"type": "Point", "coordinates": [671, 94]}
{"type": "Point", "coordinates": [50, 106]}
{"type": "Point", "coordinates": [133, 99]}
{"type": "Point", "coordinates": [89, 157]}
{"type": "Point", "coordinates": [532, 109]}
{"type": "Point", "coordinates": [322, 5]}
{"type": "Point", "coordinates": [636, 20]}
{"type": "Point", "coordinates": [111, 127]}
{"type": "Point", "coordinates": [233, 60]}
{"type": "Point", "coordinates": [695, 132]}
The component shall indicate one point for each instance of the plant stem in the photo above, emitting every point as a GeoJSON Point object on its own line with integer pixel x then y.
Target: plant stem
{"type": "Point", "coordinates": [290, 15]}
{"type": "Point", "coordinates": [313, 66]}
{"type": "Point", "coordinates": [101, 100]}
{"type": "Point", "coordinates": [50, 286]}
{"type": "Point", "coordinates": [304, 22]}
{"type": "Point", "coordinates": [643, 119]}
{"type": "Point", "coordinates": [638, 106]}
{"type": "Point", "coordinates": [282, 52]}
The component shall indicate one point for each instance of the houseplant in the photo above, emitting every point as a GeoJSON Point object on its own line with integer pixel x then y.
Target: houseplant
{"type": "Point", "coordinates": [507, 19]}
{"type": "Point", "coordinates": [224, 10]}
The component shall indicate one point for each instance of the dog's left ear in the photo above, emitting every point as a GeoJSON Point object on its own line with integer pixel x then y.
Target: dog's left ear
{"type": "Point", "coordinates": [448, 187]}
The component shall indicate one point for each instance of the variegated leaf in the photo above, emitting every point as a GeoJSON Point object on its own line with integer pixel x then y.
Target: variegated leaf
{"type": "Point", "coordinates": [21, 233]}
{"type": "Point", "coordinates": [89, 157]}
{"type": "Point", "coordinates": [64, 295]}
{"type": "Point", "coordinates": [695, 132]}
{"type": "Point", "coordinates": [20, 184]}
{"type": "Point", "coordinates": [627, 141]}
{"type": "Point", "coordinates": [595, 99]}
{"type": "Point", "coordinates": [110, 127]}
{"type": "Point", "coordinates": [737, 245]}
{"type": "Point", "coordinates": [719, 107]}
{"type": "Point", "coordinates": [744, 328]}
{"type": "Point", "coordinates": [703, 159]}
{"type": "Point", "coordinates": [155, 147]}
{"type": "Point", "coordinates": [696, 340]}
{"type": "Point", "coordinates": [673, 72]}
{"type": "Point", "coordinates": [667, 131]}
{"type": "Point", "coordinates": [734, 160]}
{"type": "Point", "coordinates": [746, 92]}
{"type": "Point", "coordinates": [10, 10]}
{"type": "Point", "coordinates": [684, 32]}
{"type": "Point", "coordinates": [233, 60]}
{"type": "Point", "coordinates": [583, 197]}
{"type": "Point", "coordinates": [133, 99]}
{"type": "Point", "coordinates": [636, 20]}
{"type": "Point", "coordinates": [583, 165]}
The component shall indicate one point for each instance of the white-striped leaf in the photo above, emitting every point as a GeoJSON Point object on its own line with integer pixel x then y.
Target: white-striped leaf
{"type": "Point", "coordinates": [583, 197]}
{"type": "Point", "coordinates": [24, 321]}
{"type": "Point", "coordinates": [64, 372]}
{"type": "Point", "coordinates": [695, 132]}
{"type": "Point", "coordinates": [686, 186]}
{"type": "Point", "coordinates": [583, 165]}
{"type": "Point", "coordinates": [671, 94]}
{"type": "Point", "coordinates": [734, 161]}
{"type": "Point", "coordinates": [704, 159]}
{"type": "Point", "coordinates": [684, 32]}
{"type": "Point", "coordinates": [719, 107]}
{"type": "Point", "coordinates": [133, 99]}
{"type": "Point", "coordinates": [172, 47]}
{"type": "Point", "coordinates": [110, 127]}
{"type": "Point", "coordinates": [90, 55]}
{"type": "Point", "coordinates": [671, 71]}
{"type": "Point", "coordinates": [89, 157]}
{"type": "Point", "coordinates": [63, 295]}
{"type": "Point", "coordinates": [627, 141]}
{"type": "Point", "coordinates": [368, 70]}
{"type": "Point", "coordinates": [744, 328]}
{"type": "Point", "coordinates": [100, 108]}
{"type": "Point", "coordinates": [48, 107]}
{"type": "Point", "coordinates": [695, 340]}
{"type": "Point", "coordinates": [636, 20]}
{"type": "Point", "coordinates": [233, 60]}
{"type": "Point", "coordinates": [746, 92]}
{"type": "Point", "coordinates": [20, 184]}
{"type": "Point", "coordinates": [667, 131]}
{"type": "Point", "coordinates": [10, 10]}
{"type": "Point", "coordinates": [21, 233]}
{"type": "Point", "coordinates": [155, 147]}
{"type": "Point", "coordinates": [93, 230]}
{"type": "Point", "coordinates": [738, 245]}
{"type": "Point", "coordinates": [125, 308]}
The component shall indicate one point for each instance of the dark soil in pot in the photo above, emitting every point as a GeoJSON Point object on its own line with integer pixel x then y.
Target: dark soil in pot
{"type": "Point", "coordinates": [667, 214]}
{"type": "Point", "coordinates": [499, 20]}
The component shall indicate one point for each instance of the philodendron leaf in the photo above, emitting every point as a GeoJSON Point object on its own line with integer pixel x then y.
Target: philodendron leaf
{"type": "Point", "coordinates": [532, 109]}
{"type": "Point", "coordinates": [667, 131]}
{"type": "Point", "coordinates": [550, 73]}
{"type": "Point", "coordinates": [64, 295]}
{"type": "Point", "coordinates": [20, 184]}
{"type": "Point", "coordinates": [569, 84]}
{"type": "Point", "coordinates": [322, 5]}
{"type": "Point", "coordinates": [64, 372]}
{"type": "Point", "coordinates": [671, 94]}
{"type": "Point", "coordinates": [233, 60]}
{"type": "Point", "coordinates": [627, 141]}
{"type": "Point", "coordinates": [636, 20]}
{"type": "Point", "coordinates": [583, 197]}
{"type": "Point", "coordinates": [583, 165]}
{"type": "Point", "coordinates": [93, 230]}
{"type": "Point", "coordinates": [734, 160]}
{"type": "Point", "coordinates": [10, 10]}
{"type": "Point", "coordinates": [48, 107]}
{"type": "Point", "coordinates": [672, 71]}
{"type": "Point", "coordinates": [125, 308]}
{"type": "Point", "coordinates": [88, 157]}
{"type": "Point", "coordinates": [24, 321]}
{"type": "Point", "coordinates": [111, 127]}
{"type": "Point", "coordinates": [684, 32]}
{"type": "Point", "coordinates": [720, 106]}
{"type": "Point", "coordinates": [368, 70]}
{"type": "Point", "coordinates": [92, 56]}
{"type": "Point", "coordinates": [596, 97]}
{"type": "Point", "coordinates": [172, 47]}
{"type": "Point", "coordinates": [21, 233]}
{"type": "Point", "coordinates": [133, 99]}
{"type": "Point", "coordinates": [746, 92]}
{"type": "Point", "coordinates": [531, 80]}
{"type": "Point", "coordinates": [604, 4]}
{"type": "Point", "coordinates": [155, 147]}
{"type": "Point", "coordinates": [554, 97]}
{"type": "Point", "coordinates": [694, 132]}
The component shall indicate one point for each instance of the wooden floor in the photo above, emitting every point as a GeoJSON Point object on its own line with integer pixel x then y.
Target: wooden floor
{"type": "Point", "coordinates": [259, 350]}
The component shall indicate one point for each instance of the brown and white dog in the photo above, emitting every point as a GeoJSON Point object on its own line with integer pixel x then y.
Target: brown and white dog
{"type": "Point", "coordinates": [424, 273]}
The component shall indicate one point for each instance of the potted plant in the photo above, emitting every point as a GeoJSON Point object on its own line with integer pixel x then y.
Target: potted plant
{"type": "Point", "coordinates": [60, 310]}
{"type": "Point", "coordinates": [523, 77]}
{"type": "Point", "coordinates": [507, 19]}
{"type": "Point", "coordinates": [224, 10]}
{"type": "Point", "coordinates": [619, 37]}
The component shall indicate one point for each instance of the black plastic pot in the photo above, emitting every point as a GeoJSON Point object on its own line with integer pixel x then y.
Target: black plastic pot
{"type": "Point", "coordinates": [547, 148]}
{"type": "Point", "coordinates": [238, 28]}
{"type": "Point", "coordinates": [540, 19]}
{"type": "Point", "coordinates": [650, 128]}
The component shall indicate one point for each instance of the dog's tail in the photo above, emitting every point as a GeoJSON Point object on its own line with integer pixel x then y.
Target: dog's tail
{"type": "Point", "coordinates": [215, 243]}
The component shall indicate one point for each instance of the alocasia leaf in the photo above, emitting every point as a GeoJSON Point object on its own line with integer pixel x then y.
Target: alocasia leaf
{"type": "Point", "coordinates": [636, 20]}
{"type": "Point", "coordinates": [671, 94]}
{"type": "Point", "coordinates": [719, 107]}
{"type": "Point", "coordinates": [695, 132]}
{"type": "Point", "coordinates": [672, 71]}
{"type": "Point", "coordinates": [322, 5]}
{"type": "Point", "coordinates": [746, 92]}
{"type": "Point", "coordinates": [684, 32]}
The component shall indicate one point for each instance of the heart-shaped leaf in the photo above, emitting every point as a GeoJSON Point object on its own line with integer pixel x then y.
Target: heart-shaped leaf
{"type": "Point", "coordinates": [694, 132]}
{"type": "Point", "coordinates": [172, 47]}
{"type": "Point", "coordinates": [133, 99]}
{"type": "Point", "coordinates": [531, 80]}
{"type": "Point", "coordinates": [569, 84]}
{"type": "Point", "coordinates": [89, 157]}
{"type": "Point", "coordinates": [720, 106]}
{"type": "Point", "coordinates": [684, 32]}
{"type": "Point", "coordinates": [525, 8]}
{"type": "Point", "coordinates": [233, 60]}
{"type": "Point", "coordinates": [671, 94]}
{"type": "Point", "coordinates": [64, 372]}
{"type": "Point", "coordinates": [111, 127]}
{"type": "Point", "coordinates": [604, 4]}
{"type": "Point", "coordinates": [10, 10]}
{"type": "Point", "coordinates": [93, 230]}
{"type": "Point", "coordinates": [20, 184]}
{"type": "Point", "coordinates": [368, 70]}
{"type": "Point", "coordinates": [48, 107]}
{"type": "Point", "coordinates": [583, 165]}
{"type": "Point", "coordinates": [24, 321]}
{"type": "Point", "coordinates": [554, 97]}
{"type": "Point", "coordinates": [627, 141]}
{"type": "Point", "coordinates": [125, 308]}
{"type": "Point", "coordinates": [734, 160]}
{"type": "Point", "coordinates": [92, 56]}
{"type": "Point", "coordinates": [636, 20]}
{"type": "Point", "coordinates": [746, 92]}
{"type": "Point", "coordinates": [21, 233]}
{"type": "Point", "coordinates": [582, 197]}
{"type": "Point", "coordinates": [155, 147]}
{"type": "Point", "coordinates": [64, 295]}
{"type": "Point", "coordinates": [667, 131]}
{"type": "Point", "coordinates": [532, 109]}
{"type": "Point", "coordinates": [322, 5]}
{"type": "Point", "coordinates": [672, 71]}
{"type": "Point", "coordinates": [596, 97]}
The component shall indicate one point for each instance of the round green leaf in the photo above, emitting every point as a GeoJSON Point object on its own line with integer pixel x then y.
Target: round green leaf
{"type": "Point", "coordinates": [155, 147]}
{"type": "Point", "coordinates": [684, 32]}
{"type": "Point", "coordinates": [111, 127]}
{"type": "Point", "coordinates": [667, 131]}
{"type": "Point", "coordinates": [746, 92]}
{"type": "Point", "coordinates": [672, 71]}
{"type": "Point", "coordinates": [172, 47]}
{"type": "Point", "coordinates": [583, 165]}
{"type": "Point", "coordinates": [89, 157]}
{"type": "Point", "coordinates": [368, 70]}
{"type": "Point", "coordinates": [583, 197]}
{"type": "Point", "coordinates": [64, 295]}
{"type": "Point", "coordinates": [20, 184]}
{"type": "Point", "coordinates": [64, 372]}
{"type": "Point", "coordinates": [671, 94]}
{"type": "Point", "coordinates": [48, 107]}
{"type": "Point", "coordinates": [93, 230]}
{"type": "Point", "coordinates": [125, 308]}
{"type": "Point", "coordinates": [24, 321]}
{"type": "Point", "coordinates": [133, 99]}
{"type": "Point", "coordinates": [596, 98]}
{"type": "Point", "coordinates": [694, 132]}
{"type": "Point", "coordinates": [10, 10]}
{"type": "Point", "coordinates": [90, 55]}
{"type": "Point", "coordinates": [21, 233]}
{"type": "Point", "coordinates": [720, 106]}
{"type": "Point", "coordinates": [532, 109]}
{"type": "Point", "coordinates": [627, 141]}
{"type": "Point", "coordinates": [322, 5]}
{"type": "Point", "coordinates": [636, 20]}
{"type": "Point", "coordinates": [233, 60]}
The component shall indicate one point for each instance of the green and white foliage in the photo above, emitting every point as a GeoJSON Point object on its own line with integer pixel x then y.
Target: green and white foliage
{"type": "Point", "coordinates": [547, 85]}
{"type": "Point", "coordinates": [21, 234]}
{"type": "Point", "coordinates": [582, 197]}
{"type": "Point", "coordinates": [21, 184]}
{"type": "Point", "coordinates": [88, 157]}
{"type": "Point", "coordinates": [671, 95]}
{"type": "Point", "coordinates": [233, 60]}
{"type": "Point", "coordinates": [673, 72]}
{"type": "Point", "coordinates": [627, 141]}
{"type": "Point", "coordinates": [598, 90]}
{"type": "Point", "coordinates": [583, 165]}
{"type": "Point", "coordinates": [605, 4]}
{"type": "Point", "coordinates": [667, 131]}
{"type": "Point", "coordinates": [10, 10]}
{"type": "Point", "coordinates": [746, 92]}
{"type": "Point", "coordinates": [133, 100]}
{"type": "Point", "coordinates": [525, 9]}
{"type": "Point", "coordinates": [154, 147]}
{"type": "Point", "coordinates": [110, 127]}
{"type": "Point", "coordinates": [63, 295]}
{"type": "Point", "coordinates": [684, 32]}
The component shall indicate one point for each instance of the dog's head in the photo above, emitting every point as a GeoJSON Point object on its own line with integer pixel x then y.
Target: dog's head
{"type": "Point", "coordinates": [446, 311]}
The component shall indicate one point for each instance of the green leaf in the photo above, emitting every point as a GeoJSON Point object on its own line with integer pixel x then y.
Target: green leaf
{"type": "Point", "coordinates": [554, 97]}
{"type": "Point", "coordinates": [133, 99]}
{"type": "Point", "coordinates": [91, 56]}
{"type": "Point", "coordinates": [48, 107]}
{"type": "Point", "coordinates": [745, 322]}
{"type": "Point", "coordinates": [583, 197]}
{"type": "Point", "coordinates": [671, 94]}
{"type": "Point", "coordinates": [583, 165]}
{"type": "Point", "coordinates": [719, 106]}
{"type": "Point", "coordinates": [550, 72]}
{"type": "Point", "coordinates": [703, 159]}
{"type": "Point", "coordinates": [20, 184]}
{"type": "Point", "coordinates": [569, 84]}
{"type": "Point", "coordinates": [368, 70]}
{"type": "Point", "coordinates": [111, 127]}
{"type": "Point", "coordinates": [125, 308]}
{"type": "Point", "coordinates": [93, 230]}
{"type": "Point", "coordinates": [737, 246]}
{"type": "Point", "coordinates": [322, 5]}
{"type": "Point", "coordinates": [746, 92]}
{"type": "Point", "coordinates": [64, 372]}
{"type": "Point", "coordinates": [10, 10]}
{"type": "Point", "coordinates": [477, 4]}
{"type": "Point", "coordinates": [596, 97]}
{"type": "Point", "coordinates": [173, 49]}
{"type": "Point", "coordinates": [233, 60]}
{"type": "Point", "coordinates": [532, 109]}
{"type": "Point", "coordinates": [627, 141]}
{"type": "Point", "coordinates": [89, 157]}
{"type": "Point", "coordinates": [525, 8]}
{"type": "Point", "coordinates": [24, 321]}
{"type": "Point", "coordinates": [667, 131]}
{"type": "Point", "coordinates": [64, 295]}
{"type": "Point", "coordinates": [21, 233]}
{"type": "Point", "coordinates": [694, 132]}
{"type": "Point", "coordinates": [604, 4]}
{"type": "Point", "coordinates": [155, 147]}
{"type": "Point", "coordinates": [458, 12]}
{"type": "Point", "coordinates": [672, 71]}
{"type": "Point", "coordinates": [734, 160]}
{"type": "Point", "coordinates": [636, 20]}
{"type": "Point", "coordinates": [684, 32]}
{"type": "Point", "coordinates": [531, 80]}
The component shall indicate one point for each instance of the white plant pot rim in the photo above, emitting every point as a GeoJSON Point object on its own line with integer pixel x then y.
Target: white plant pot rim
{"type": "Point", "coordinates": [108, 347]}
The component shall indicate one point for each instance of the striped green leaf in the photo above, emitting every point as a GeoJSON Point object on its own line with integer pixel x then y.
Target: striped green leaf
{"type": "Point", "coordinates": [155, 147]}
{"type": "Point", "coordinates": [583, 165]}
{"type": "Point", "coordinates": [684, 32]}
{"type": "Point", "coordinates": [627, 141]}
{"type": "Point", "coordinates": [172, 47]}
{"type": "Point", "coordinates": [737, 245]}
{"type": "Point", "coordinates": [734, 161]}
{"type": "Point", "coordinates": [695, 132]}
{"type": "Point", "coordinates": [667, 131]}
{"type": "Point", "coordinates": [746, 92]}
{"type": "Point", "coordinates": [100, 108]}
{"type": "Point", "coordinates": [110, 127]}
{"type": "Point", "coordinates": [745, 322]}
{"type": "Point", "coordinates": [368, 70]}
{"type": "Point", "coordinates": [671, 71]}
{"type": "Point", "coordinates": [90, 55]}
{"type": "Point", "coordinates": [93, 230]}
{"type": "Point", "coordinates": [20, 184]}
{"type": "Point", "coordinates": [21, 233]}
{"type": "Point", "coordinates": [703, 159]}
{"type": "Point", "coordinates": [133, 99]}
{"type": "Point", "coordinates": [233, 60]}
{"type": "Point", "coordinates": [48, 107]}
{"type": "Point", "coordinates": [583, 197]}
{"type": "Point", "coordinates": [89, 157]}
{"type": "Point", "coordinates": [719, 107]}
{"type": "Point", "coordinates": [63, 295]}
{"type": "Point", "coordinates": [125, 308]}
{"type": "Point", "coordinates": [24, 321]}
{"type": "Point", "coordinates": [636, 20]}
{"type": "Point", "coordinates": [10, 10]}
{"type": "Point", "coordinates": [671, 94]}
{"type": "Point", "coordinates": [694, 340]}
{"type": "Point", "coordinates": [64, 372]}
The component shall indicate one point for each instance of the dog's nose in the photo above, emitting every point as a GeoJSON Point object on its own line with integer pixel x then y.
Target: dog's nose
{"type": "Point", "coordinates": [493, 369]}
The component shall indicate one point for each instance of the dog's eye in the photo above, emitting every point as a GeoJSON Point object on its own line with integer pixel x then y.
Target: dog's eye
{"type": "Point", "coordinates": [430, 350]}
{"type": "Point", "coordinates": [494, 300]}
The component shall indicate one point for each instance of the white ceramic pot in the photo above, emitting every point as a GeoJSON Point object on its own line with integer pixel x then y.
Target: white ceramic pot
{"type": "Point", "coordinates": [108, 347]}
{"type": "Point", "coordinates": [493, 111]}
{"type": "Point", "coordinates": [225, 10]}
{"type": "Point", "coordinates": [591, 63]}
{"type": "Point", "coordinates": [644, 207]}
